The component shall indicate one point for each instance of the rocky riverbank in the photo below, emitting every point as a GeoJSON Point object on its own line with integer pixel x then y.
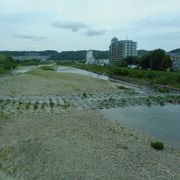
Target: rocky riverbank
{"type": "Point", "coordinates": [79, 144]}
{"type": "Point", "coordinates": [84, 101]}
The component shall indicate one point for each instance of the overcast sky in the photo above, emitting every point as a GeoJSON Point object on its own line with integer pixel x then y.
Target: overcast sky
{"type": "Point", "coordinates": [88, 24]}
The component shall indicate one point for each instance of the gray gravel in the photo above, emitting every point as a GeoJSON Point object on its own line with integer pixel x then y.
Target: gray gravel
{"type": "Point", "coordinates": [79, 144]}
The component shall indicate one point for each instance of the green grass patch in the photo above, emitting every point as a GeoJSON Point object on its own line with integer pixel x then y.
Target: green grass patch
{"type": "Point", "coordinates": [153, 77]}
{"type": "Point", "coordinates": [45, 74]}
{"type": "Point", "coordinates": [2, 70]}
{"type": "Point", "coordinates": [4, 117]}
{"type": "Point", "coordinates": [47, 68]}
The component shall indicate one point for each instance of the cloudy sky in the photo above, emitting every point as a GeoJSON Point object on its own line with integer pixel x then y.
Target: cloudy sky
{"type": "Point", "coordinates": [88, 24]}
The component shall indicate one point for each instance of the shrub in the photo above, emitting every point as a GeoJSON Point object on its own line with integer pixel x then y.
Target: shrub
{"type": "Point", "coordinates": [2, 70]}
{"type": "Point", "coordinates": [43, 106]}
{"type": "Point", "coordinates": [150, 75]}
{"type": "Point", "coordinates": [6, 63]}
{"type": "Point", "coordinates": [27, 105]}
{"type": "Point", "coordinates": [36, 106]}
{"type": "Point", "coordinates": [51, 103]}
{"type": "Point", "coordinates": [84, 95]}
{"type": "Point", "coordinates": [162, 103]}
{"type": "Point", "coordinates": [3, 116]}
{"type": "Point", "coordinates": [157, 145]}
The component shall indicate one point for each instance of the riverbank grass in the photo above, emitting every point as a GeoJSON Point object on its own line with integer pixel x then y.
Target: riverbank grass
{"type": "Point", "coordinates": [152, 77]}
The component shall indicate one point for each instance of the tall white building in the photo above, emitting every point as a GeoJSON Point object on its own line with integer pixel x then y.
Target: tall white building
{"type": "Point", "coordinates": [90, 58]}
{"type": "Point", "coordinates": [119, 50]}
{"type": "Point", "coordinates": [127, 48]}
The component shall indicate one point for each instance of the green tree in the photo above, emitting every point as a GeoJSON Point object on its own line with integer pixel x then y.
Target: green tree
{"type": "Point", "coordinates": [132, 60]}
{"type": "Point", "coordinates": [6, 63]}
{"type": "Point", "coordinates": [156, 60]}
{"type": "Point", "coordinates": [166, 63]}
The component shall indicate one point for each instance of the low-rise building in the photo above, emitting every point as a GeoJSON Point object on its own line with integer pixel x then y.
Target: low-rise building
{"type": "Point", "coordinates": [102, 62]}
{"type": "Point", "coordinates": [90, 58]}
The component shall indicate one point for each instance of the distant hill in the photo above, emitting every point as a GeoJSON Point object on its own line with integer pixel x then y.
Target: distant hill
{"type": "Point", "coordinates": [66, 55]}
{"type": "Point", "coordinates": [54, 55]}
{"type": "Point", "coordinates": [175, 51]}
{"type": "Point", "coordinates": [69, 55]}
{"type": "Point", "coordinates": [78, 55]}
{"type": "Point", "coordinates": [101, 54]}
{"type": "Point", "coordinates": [27, 55]}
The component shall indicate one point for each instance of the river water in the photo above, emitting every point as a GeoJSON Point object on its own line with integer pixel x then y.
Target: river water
{"type": "Point", "coordinates": [163, 123]}
{"type": "Point", "coordinates": [63, 69]}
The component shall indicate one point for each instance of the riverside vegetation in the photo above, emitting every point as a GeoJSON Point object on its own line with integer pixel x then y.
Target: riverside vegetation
{"type": "Point", "coordinates": [7, 63]}
{"type": "Point", "coordinates": [152, 77]}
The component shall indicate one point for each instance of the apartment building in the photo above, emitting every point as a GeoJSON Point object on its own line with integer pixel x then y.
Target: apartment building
{"type": "Point", "coordinates": [119, 50]}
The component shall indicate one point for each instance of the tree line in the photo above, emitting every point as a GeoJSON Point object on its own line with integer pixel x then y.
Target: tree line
{"type": "Point", "coordinates": [7, 63]}
{"type": "Point", "coordinates": [153, 60]}
{"type": "Point", "coordinates": [29, 53]}
{"type": "Point", "coordinates": [78, 55]}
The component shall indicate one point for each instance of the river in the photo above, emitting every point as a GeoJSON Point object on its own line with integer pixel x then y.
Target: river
{"type": "Point", "coordinates": [163, 123]}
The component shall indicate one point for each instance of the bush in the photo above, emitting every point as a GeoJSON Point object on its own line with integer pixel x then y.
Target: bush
{"type": "Point", "coordinates": [84, 95]}
{"type": "Point", "coordinates": [36, 106]}
{"type": "Point", "coordinates": [6, 63]}
{"type": "Point", "coordinates": [157, 145]}
{"type": "Point", "coordinates": [2, 70]}
{"type": "Point", "coordinates": [27, 105]}
{"type": "Point", "coordinates": [51, 104]}
{"type": "Point", "coordinates": [3, 116]}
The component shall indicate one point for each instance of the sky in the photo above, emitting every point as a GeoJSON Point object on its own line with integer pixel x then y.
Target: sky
{"type": "Point", "coordinates": [65, 25]}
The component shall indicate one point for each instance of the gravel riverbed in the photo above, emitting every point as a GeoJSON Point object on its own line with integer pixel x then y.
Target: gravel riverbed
{"type": "Point", "coordinates": [79, 144]}
{"type": "Point", "coordinates": [51, 128]}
